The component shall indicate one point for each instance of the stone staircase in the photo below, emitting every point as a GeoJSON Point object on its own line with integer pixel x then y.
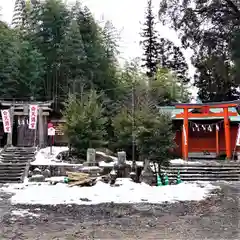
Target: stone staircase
{"type": "Point", "coordinates": [205, 172]}
{"type": "Point", "coordinates": [14, 163]}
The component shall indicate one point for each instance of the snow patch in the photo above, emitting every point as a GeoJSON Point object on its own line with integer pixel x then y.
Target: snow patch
{"type": "Point", "coordinates": [44, 157]}
{"type": "Point", "coordinates": [181, 161]}
{"type": "Point", "coordinates": [125, 191]}
{"type": "Point", "coordinates": [24, 213]}
{"type": "Point", "coordinates": [107, 156]}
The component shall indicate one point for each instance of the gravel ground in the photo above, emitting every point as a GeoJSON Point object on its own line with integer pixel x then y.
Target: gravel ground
{"type": "Point", "coordinates": [214, 218]}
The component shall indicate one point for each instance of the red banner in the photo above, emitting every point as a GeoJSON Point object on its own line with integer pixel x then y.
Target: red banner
{"type": "Point", "coordinates": [6, 121]}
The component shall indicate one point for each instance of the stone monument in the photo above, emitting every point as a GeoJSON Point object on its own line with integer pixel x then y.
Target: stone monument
{"type": "Point", "coordinates": [91, 166]}
{"type": "Point", "coordinates": [121, 166]}
{"type": "Point", "coordinates": [147, 176]}
{"type": "Point", "coordinates": [91, 157]}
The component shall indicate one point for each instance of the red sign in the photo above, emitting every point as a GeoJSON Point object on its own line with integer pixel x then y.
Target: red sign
{"type": "Point", "coordinates": [33, 110]}
{"type": "Point", "coordinates": [6, 121]}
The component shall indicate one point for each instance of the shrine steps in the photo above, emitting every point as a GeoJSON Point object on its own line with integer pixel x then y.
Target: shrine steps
{"type": "Point", "coordinates": [14, 163]}
{"type": "Point", "coordinates": [204, 172]}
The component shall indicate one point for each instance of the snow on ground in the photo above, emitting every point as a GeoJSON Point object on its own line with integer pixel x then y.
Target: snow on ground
{"type": "Point", "coordinates": [181, 161]}
{"type": "Point", "coordinates": [23, 213]}
{"type": "Point", "coordinates": [43, 157]}
{"type": "Point", "coordinates": [111, 164]}
{"type": "Point", "coordinates": [126, 191]}
{"type": "Point", "coordinates": [105, 155]}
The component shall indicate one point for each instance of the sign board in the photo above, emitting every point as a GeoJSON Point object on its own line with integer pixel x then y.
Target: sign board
{"type": "Point", "coordinates": [33, 109]}
{"type": "Point", "coordinates": [51, 131]}
{"type": "Point", "coordinates": [238, 136]}
{"type": "Point", "coordinates": [6, 121]}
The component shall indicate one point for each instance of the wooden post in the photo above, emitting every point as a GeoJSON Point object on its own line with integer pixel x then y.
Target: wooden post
{"type": "Point", "coordinates": [217, 141]}
{"type": "Point", "coordinates": [185, 134]}
{"type": "Point", "coordinates": [40, 128]}
{"type": "Point", "coordinates": [227, 133]}
{"type": "Point", "coordinates": [10, 135]}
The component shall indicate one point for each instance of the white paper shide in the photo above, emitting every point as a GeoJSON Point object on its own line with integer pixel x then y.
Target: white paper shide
{"type": "Point", "coordinates": [6, 121]}
{"type": "Point", "coordinates": [33, 109]}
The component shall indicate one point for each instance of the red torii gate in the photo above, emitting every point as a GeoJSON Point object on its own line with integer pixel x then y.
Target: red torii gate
{"type": "Point", "coordinates": [206, 113]}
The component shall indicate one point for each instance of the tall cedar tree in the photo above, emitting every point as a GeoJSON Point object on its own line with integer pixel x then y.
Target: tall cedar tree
{"type": "Point", "coordinates": [149, 42]}
{"type": "Point", "coordinates": [171, 57]}
{"type": "Point", "coordinates": [212, 43]}
{"type": "Point", "coordinates": [74, 48]}
{"type": "Point", "coordinates": [9, 61]}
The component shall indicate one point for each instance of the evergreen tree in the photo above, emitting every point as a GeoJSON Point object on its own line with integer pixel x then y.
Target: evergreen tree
{"type": "Point", "coordinates": [167, 89]}
{"type": "Point", "coordinates": [111, 38]}
{"type": "Point", "coordinates": [211, 43]}
{"type": "Point", "coordinates": [9, 61]}
{"type": "Point", "coordinates": [171, 57]}
{"type": "Point", "coordinates": [149, 42]}
{"type": "Point", "coordinates": [85, 124]}
{"type": "Point", "coordinates": [73, 60]}
{"type": "Point", "coordinates": [31, 72]}
{"type": "Point", "coordinates": [100, 70]}
{"type": "Point", "coordinates": [48, 25]}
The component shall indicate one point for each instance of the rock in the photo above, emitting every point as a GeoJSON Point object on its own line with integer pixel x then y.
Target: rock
{"type": "Point", "coordinates": [101, 156]}
{"type": "Point", "coordinates": [37, 178]}
{"type": "Point", "coordinates": [37, 171]}
{"type": "Point", "coordinates": [47, 173]}
{"type": "Point", "coordinates": [30, 173]}
{"type": "Point", "coordinates": [147, 176]}
{"type": "Point", "coordinates": [92, 170]}
{"type": "Point", "coordinates": [63, 156]}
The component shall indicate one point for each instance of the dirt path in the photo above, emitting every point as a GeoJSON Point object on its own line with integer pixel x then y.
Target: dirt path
{"type": "Point", "coordinates": [214, 218]}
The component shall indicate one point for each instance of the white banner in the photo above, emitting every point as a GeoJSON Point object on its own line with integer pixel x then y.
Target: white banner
{"type": "Point", "coordinates": [6, 121]}
{"type": "Point", "coordinates": [238, 136]}
{"type": "Point", "coordinates": [184, 136]}
{"type": "Point", "coordinates": [33, 110]}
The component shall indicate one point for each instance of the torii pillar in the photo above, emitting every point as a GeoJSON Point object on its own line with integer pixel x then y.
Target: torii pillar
{"type": "Point", "coordinates": [185, 134]}
{"type": "Point", "coordinates": [227, 133]}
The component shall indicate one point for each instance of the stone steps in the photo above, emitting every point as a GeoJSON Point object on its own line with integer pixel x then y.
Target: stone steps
{"type": "Point", "coordinates": [14, 163]}
{"type": "Point", "coordinates": [204, 172]}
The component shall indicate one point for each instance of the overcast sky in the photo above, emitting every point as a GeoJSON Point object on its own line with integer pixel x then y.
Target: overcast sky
{"type": "Point", "coordinates": [126, 15]}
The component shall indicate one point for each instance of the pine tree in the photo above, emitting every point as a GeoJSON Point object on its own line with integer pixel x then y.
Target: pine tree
{"type": "Point", "coordinates": [9, 70]}
{"type": "Point", "coordinates": [85, 123]}
{"type": "Point", "coordinates": [48, 25]}
{"type": "Point", "coordinates": [111, 38]}
{"type": "Point", "coordinates": [149, 42]}
{"type": "Point", "coordinates": [171, 57]}
{"type": "Point", "coordinates": [211, 44]}
{"type": "Point", "coordinates": [31, 72]}
{"type": "Point", "coordinates": [73, 60]}
{"type": "Point", "coordinates": [100, 69]}
{"type": "Point", "coordinates": [21, 12]}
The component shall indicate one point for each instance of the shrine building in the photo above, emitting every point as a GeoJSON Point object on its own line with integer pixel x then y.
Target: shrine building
{"type": "Point", "coordinates": [206, 130]}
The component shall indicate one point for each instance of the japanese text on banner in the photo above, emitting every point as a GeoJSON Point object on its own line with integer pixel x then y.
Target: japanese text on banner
{"type": "Point", "coordinates": [33, 109]}
{"type": "Point", "coordinates": [6, 121]}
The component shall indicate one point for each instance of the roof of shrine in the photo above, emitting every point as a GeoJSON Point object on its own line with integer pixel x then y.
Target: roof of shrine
{"type": "Point", "coordinates": [173, 111]}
